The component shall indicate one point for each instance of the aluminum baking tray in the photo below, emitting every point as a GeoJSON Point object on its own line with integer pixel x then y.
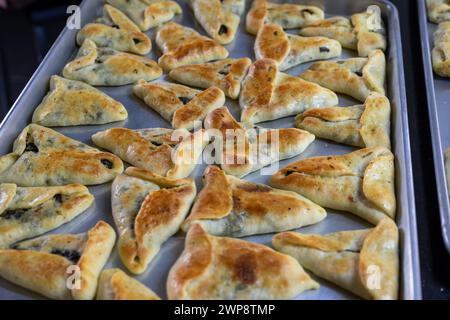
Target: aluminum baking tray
{"type": "Point", "coordinates": [141, 116]}
{"type": "Point", "coordinates": [438, 94]}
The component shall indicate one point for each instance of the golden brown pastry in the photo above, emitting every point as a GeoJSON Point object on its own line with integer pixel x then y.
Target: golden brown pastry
{"type": "Point", "coordinates": [148, 209]}
{"type": "Point", "coordinates": [365, 262]}
{"type": "Point", "coordinates": [441, 51]}
{"type": "Point", "coordinates": [114, 284]}
{"type": "Point", "coordinates": [116, 31]}
{"type": "Point", "coordinates": [361, 182]}
{"type": "Point", "coordinates": [148, 14]}
{"type": "Point", "coordinates": [108, 67]}
{"type": "Point", "coordinates": [61, 266]}
{"type": "Point", "coordinates": [228, 206]}
{"type": "Point", "coordinates": [268, 94]}
{"type": "Point", "coordinates": [158, 150]}
{"type": "Point", "coordinates": [287, 15]}
{"type": "Point", "coordinates": [183, 107]}
{"type": "Point", "coordinates": [438, 10]}
{"type": "Point", "coordinates": [370, 31]}
{"type": "Point", "coordinates": [44, 157]}
{"type": "Point", "coordinates": [226, 74]}
{"type": "Point", "coordinates": [73, 103]}
{"type": "Point", "coordinates": [249, 150]}
{"type": "Point", "coordinates": [183, 46]}
{"type": "Point", "coordinates": [362, 126]}
{"type": "Point", "coordinates": [225, 268]}
{"type": "Point", "coordinates": [356, 77]}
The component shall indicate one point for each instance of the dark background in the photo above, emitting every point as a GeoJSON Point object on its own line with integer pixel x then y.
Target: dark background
{"type": "Point", "coordinates": [27, 33]}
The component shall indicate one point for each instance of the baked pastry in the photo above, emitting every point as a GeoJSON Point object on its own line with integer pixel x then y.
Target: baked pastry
{"type": "Point", "coordinates": [441, 51]}
{"type": "Point", "coordinates": [183, 107]}
{"type": "Point", "coordinates": [362, 126]}
{"type": "Point", "coordinates": [61, 266]}
{"type": "Point", "coordinates": [235, 6]}
{"type": "Point", "coordinates": [250, 149]}
{"type": "Point", "coordinates": [361, 182]}
{"type": "Point", "coordinates": [268, 94]}
{"type": "Point", "coordinates": [44, 157]}
{"type": "Point", "coordinates": [290, 50]}
{"type": "Point", "coordinates": [73, 103]}
{"type": "Point", "coordinates": [148, 14]}
{"type": "Point", "coordinates": [369, 30]}
{"type": "Point", "coordinates": [226, 268]}
{"type": "Point", "coordinates": [148, 209]}
{"type": "Point", "coordinates": [447, 167]}
{"type": "Point", "coordinates": [158, 150]}
{"type": "Point", "coordinates": [438, 10]}
{"type": "Point", "coordinates": [219, 22]}
{"type": "Point", "coordinates": [337, 28]}
{"type": "Point", "coordinates": [287, 15]}
{"type": "Point", "coordinates": [365, 262]}
{"type": "Point", "coordinates": [29, 212]}
{"type": "Point", "coordinates": [108, 67]}
{"type": "Point", "coordinates": [225, 74]}
{"type": "Point", "coordinates": [356, 77]}
{"type": "Point", "coordinates": [116, 31]}
{"type": "Point", "coordinates": [228, 206]}
{"type": "Point", "coordinates": [182, 46]}
{"type": "Point", "coordinates": [114, 284]}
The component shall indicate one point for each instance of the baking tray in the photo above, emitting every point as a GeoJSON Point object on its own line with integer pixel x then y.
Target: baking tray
{"type": "Point", "coordinates": [438, 95]}
{"type": "Point", "coordinates": [141, 116]}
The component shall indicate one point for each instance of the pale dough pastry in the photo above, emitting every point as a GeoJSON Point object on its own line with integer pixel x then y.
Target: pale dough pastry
{"type": "Point", "coordinates": [370, 31]}
{"type": "Point", "coordinates": [441, 51]}
{"type": "Point", "coordinates": [438, 10]}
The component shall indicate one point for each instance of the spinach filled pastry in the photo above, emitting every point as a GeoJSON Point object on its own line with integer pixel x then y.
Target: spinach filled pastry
{"type": "Point", "coordinates": [148, 209]}
{"type": "Point", "coordinates": [438, 10]}
{"type": "Point", "coordinates": [268, 94]}
{"type": "Point", "coordinates": [183, 107]}
{"type": "Point", "coordinates": [74, 103]}
{"type": "Point", "coordinates": [116, 31]}
{"type": "Point", "coordinates": [108, 67]}
{"type": "Point", "coordinates": [29, 212]}
{"type": "Point", "coordinates": [148, 14]}
{"type": "Point", "coordinates": [225, 268]}
{"type": "Point", "coordinates": [60, 266]}
{"type": "Point", "coordinates": [245, 151]}
{"type": "Point", "coordinates": [361, 182]}
{"type": "Point", "coordinates": [226, 74]}
{"type": "Point", "coordinates": [287, 15]}
{"type": "Point", "coordinates": [370, 31]}
{"type": "Point", "coordinates": [183, 46]}
{"type": "Point", "coordinates": [156, 149]}
{"type": "Point", "coordinates": [366, 125]}
{"type": "Point", "coordinates": [44, 157]}
{"type": "Point", "coordinates": [441, 51]}
{"type": "Point", "coordinates": [356, 77]}
{"type": "Point", "coordinates": [114, 284]}
{"type": "Point", "coordinates": [365, 262]}
{"type": "Point", "coordinates": [290, 50]}
{"type": "Point", "coordinates": [228, 206]}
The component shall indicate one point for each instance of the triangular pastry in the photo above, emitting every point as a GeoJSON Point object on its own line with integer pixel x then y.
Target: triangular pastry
{"type": "Point", "coordinates": [225, 74]}
{"type": "Point", "coordinates": [252, 271]}
{"type": "Point", "coordinates": [268, 94]}
{"type": "Point", "coordinates": [287, 15]}
{"type": "Point", "coordinates": [183, 46]}
{"type": "Point", "coordinates": [44, 157]}
{"type": "Point", "coordinates": [218, 22]}
{"type": "Point", "coordinates": [260, 147]}
{"type": "Point", "coordinates": [73, 103]}
{"type": "Point", "coordinates": [164, 154]}
{"type": "Point", "coordinates": [356, 77]}
{"type": "Point", "coordinates": [290, 50]}
{"type": "Point", "coordinates": [148, 209]}
{"type": "Point", "coordinates": [114, 284]}
{"type": "Point", "coordinates": [365, 262]}
{"type": "Point", "coordinates": [438, 10]}
{"type": "Point", "coordinates": [370, 31]}
{"type": "Point", "coordinates": [61, 266]}
{"type": "Point", "coordinates": [362, 126]}
{"type": "Point", "coordinates": [148, 14]}
{"type": "Point", "coordinates": [183, 107]}
{"type": "Point", "coordinates": [361, 182]}
{"type": "Point", "coordinates": [116, 31]}
{"type": "Point", "coordinates": [441, 51]}
{"type": "Point", "coordinates": [228, 206]}
{"type": "Point", "coordinates": [29, 212]}
{"type": "Point", "coordinates": [108, 67]}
